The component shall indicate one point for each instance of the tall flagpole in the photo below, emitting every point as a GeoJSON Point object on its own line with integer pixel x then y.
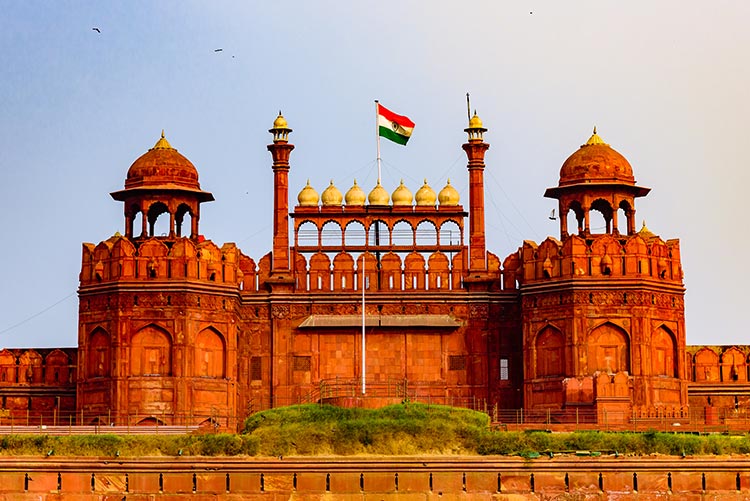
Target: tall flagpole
{"type": "Point", "coordinates": [377, 134]}
{"type": "Point", "coordinates": [364, 280]}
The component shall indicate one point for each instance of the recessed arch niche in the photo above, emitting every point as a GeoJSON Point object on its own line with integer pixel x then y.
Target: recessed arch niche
{"type": "Point", "coordinates": [209, 360]}
{"type": "Point", "coordinates": [663, 353]}
{"type": "Point", "coordinates": [608, 350]}
{"type": "Point", "coordinates": [550, 352]}
{"type": "Point", "coordinates": [98, 354]}
{"type": "Point", "coordinates": [151, 352]}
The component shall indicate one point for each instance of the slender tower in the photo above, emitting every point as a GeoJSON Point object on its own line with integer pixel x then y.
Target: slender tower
{"type": "Point", "coordinates": [280, 151]}
{"type": "Point", "coordinates": [475, 150]}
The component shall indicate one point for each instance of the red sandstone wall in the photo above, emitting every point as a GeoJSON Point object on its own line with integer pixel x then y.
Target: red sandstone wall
{"type": "Point", "coordinates": [435, 478]}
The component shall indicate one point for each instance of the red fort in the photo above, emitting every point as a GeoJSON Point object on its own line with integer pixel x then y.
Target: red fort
{"type": "Point", "coordinates": [177, 330]}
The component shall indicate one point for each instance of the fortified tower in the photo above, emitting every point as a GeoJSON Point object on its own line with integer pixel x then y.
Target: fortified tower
{"type": "Point", "coordinates": [158, 313]}
{"type": "Point", "coordinates": [603, 312]}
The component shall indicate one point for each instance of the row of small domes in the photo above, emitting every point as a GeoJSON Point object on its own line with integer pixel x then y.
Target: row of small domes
{"type": "Point", "coordinates": [425, 196]}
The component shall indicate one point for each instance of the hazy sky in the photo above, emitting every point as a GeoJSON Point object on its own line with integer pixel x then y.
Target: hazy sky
{"type": "Point", "coordinates": [666, 83]}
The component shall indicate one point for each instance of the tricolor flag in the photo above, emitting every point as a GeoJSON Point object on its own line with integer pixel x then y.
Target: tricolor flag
{"type": "Point", "coordinates": [397, 128]}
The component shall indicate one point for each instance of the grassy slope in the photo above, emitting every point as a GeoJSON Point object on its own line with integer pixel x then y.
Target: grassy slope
{"type": "Point", "coordinates": [408, 429]}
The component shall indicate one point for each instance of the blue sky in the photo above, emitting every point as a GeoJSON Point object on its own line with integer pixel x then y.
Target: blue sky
{"type": "Point", "coordinates": [665, 82]}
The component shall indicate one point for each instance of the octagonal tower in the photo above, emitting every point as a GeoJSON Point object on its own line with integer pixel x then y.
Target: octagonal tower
{"type": "Point", "coordinates": [603, 310]}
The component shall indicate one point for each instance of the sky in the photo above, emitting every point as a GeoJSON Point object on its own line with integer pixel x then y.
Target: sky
{"type": "Point", "coordinates": [666, 83]}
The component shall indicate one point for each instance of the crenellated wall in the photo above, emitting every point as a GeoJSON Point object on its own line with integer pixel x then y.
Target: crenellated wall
{"type": "Point", "coordinates": [37, 382]}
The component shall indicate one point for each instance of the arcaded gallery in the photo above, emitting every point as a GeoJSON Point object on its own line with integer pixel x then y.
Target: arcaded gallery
{"type": "Point", "coordinates": [376, 297]}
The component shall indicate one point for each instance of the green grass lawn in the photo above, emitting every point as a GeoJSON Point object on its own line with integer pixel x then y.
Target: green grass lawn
{"type": "Point", "coordinates": [405, 429]}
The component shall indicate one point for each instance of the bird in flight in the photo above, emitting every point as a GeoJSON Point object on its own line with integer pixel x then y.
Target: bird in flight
{"type": "Point", "coordinates": [218, 50]}
{"type": "Point", "coordinates": [96, 29]}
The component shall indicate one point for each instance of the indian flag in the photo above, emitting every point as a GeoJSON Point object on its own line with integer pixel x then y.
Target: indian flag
{"type": "Point", "coordinates": [397, 128]}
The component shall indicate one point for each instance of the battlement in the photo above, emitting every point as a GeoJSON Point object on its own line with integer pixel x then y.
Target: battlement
{"type": "Point", "coordinates": [121, 259]}
{"type": "Point", "coordinates": [601, 256]}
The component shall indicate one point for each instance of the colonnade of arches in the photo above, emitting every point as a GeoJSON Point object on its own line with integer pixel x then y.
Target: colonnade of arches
{"type": "Point", "coordinates": [599, 216]}
{"type": "Point", "coordinates": [378, 233]}
{"type": "Point", "coordinates": [152, 224]}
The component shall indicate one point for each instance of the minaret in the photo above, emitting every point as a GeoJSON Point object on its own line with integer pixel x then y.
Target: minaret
{"type": "Point", "coordinates": [475, 150]}
{"type": "Point", "coordinates": [280, 151]}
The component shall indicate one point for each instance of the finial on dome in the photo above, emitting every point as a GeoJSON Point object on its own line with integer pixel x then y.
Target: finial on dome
{"type": "Point", "coordinates": [595, 139]}
{"type": "Point", "coordinates": [402, 195]}
{"type": "Point", "coordinates": [645, 233]}
{"type": "Point", "coordinates": [331, 195]}
{"type": "Point", "coordinates": [378, 195]}
{"type": "Point", "coordinates": [448, 196]}
{"type": "Point", "coordinates": [162, 143]}
{"type": "Point", "coordinates": [355, 195]}
{"type": "Point", "coordinates": [308, 197]}
{"type": "Point", "coordinates": [425, 195]}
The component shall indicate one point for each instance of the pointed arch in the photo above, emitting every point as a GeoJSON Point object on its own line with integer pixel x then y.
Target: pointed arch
{"type": "Point", "coordinates": [426, 233]}
{"type": "Point", "coordinates": [402, 233]}
{"type": "Point", "coordinates": [151, 352]}
{"type": "Point", "coordinates": [210, 354]}
{"type": "Point", "coordinates": [354, 234]}
{"type": "Point", "coordinates": [608, 350]}
{"type": "Point", "coordinates": [603, 223]}
{"type": "Point", "coordinates": [57, 366]}
{"type": "Point", "coordinates": [7, 367]}
{"type": "Point", "coordinates": [30, 367]}
{"type": "Point", "coordinates": [179, 221]}
{"type": "Point", "coordinates": [733, 368]}
{"type": "Point", "coordinates": [150, 421]}
{"type": "Point", "coordinates": [550, 352]}
{"type": "Point", "coordinates": [663, 353]}
{"type": "Point", "coordinates": [450, 233]}
{"type": "Point", "coordinates": [706, 365]}
{"type": "Point", "coordinates": [331, 234]}
{"type": "Point", "coordinates": [307, 234]}
{"type": "Point", "coordinates": [98, 354]}
{"type": "Point", "coordinates": [158, 226]}
{"type": "Point", "coordinates": [343, 272]}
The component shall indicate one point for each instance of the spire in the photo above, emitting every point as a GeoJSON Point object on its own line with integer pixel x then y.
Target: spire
{"type": "Point", "coordinates": [162, 143]}
{"type": "Point", "coordinates": [594, 139]}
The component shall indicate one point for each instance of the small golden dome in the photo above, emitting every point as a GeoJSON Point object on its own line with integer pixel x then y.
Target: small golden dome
{"type": "Point", "coordinates": [425, 195]}
{"type": "Point", "coordinates": [645, 233]}
{"type": "Point", "coordinates": [331, 195]}
{"type": "Point", "coordinates": [378, 195]}
{"type": "Point", "coordinates": [475, 122]}
{"type": "Point", "coordinates": [448, 195]}
{"type": "Point", "coordinates": [402, 196]}
{"type": "Point", "coordinates": [308, 197]}
{"type": "Point", "coordinates": [280, 122]}
{"type": "Point", "coordinates": [355, 195]}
